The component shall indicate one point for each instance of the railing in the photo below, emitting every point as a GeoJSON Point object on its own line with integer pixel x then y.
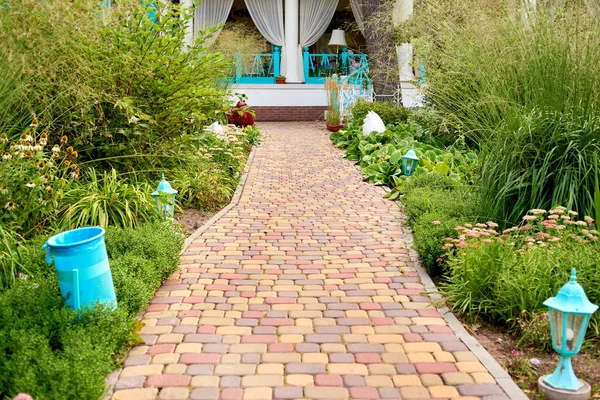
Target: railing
{"type": "Point", "coordinates": [356, 86]}
{"type": "Point", "coordinates": [263, 69]}
{"type": "Point", "coordinates": [317, 67]}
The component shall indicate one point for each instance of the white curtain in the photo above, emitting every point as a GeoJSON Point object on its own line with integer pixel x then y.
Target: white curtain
{"type": "Point", "coordinates": [268, 18]}
{"type": "Point", "coordinates": [315, 17]}
{"type": "Point", "coordinates": [594, 7]}
{"type": "Point", "coordinates": [211, 13]}
{"type": "Point", "coordinates": [359, 15]}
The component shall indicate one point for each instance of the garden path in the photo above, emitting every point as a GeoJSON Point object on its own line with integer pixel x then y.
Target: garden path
{"type": "Point", "coordinates": [306, 288]}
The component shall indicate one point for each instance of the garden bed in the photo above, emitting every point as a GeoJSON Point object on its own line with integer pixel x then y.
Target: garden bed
{"type": "Point", "coordinates": [517, 360]}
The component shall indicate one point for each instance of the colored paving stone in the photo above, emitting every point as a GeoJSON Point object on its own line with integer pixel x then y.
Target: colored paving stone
{"type": "Point", "coordinates": [305, 288]}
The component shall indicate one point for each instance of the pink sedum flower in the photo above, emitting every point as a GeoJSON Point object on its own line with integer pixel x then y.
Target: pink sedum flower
{"type": "Point", "coordinates": [436, 222]}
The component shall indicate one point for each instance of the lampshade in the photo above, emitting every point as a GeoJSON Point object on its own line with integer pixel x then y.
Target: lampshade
{"type": "Point", "coordinates": [338, 38]}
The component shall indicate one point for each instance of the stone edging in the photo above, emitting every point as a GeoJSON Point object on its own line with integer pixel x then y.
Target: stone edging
{"type": "Point", "coordinates": [502, 377]}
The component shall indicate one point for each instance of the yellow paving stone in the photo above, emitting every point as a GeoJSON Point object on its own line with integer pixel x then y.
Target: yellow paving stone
{"type": "Point", "coordinates": [394, 358]}
{"type": "Point", "coordinates": [393, 348]}
{"type": "Point", "coordinates": [414, 392]}
{"type": "Point", "coordinates": [205, 381]}
{"type": "Point", "coordinates": [333, 348]}
{"type": "Point", "coordinates": [392, 329]}
{"type": "Point", "coordinates": [381, 369]}
{"type": "Point", "coordinates": [483, 378]}
{"type": "Point", "coordinates": [420, 358]}
{"type": "Point", "coordinates": [262, 381]}
{"type": "Point", "coordinates": [189, 348]}
{"type": "Point", "coordinates": [470, 366]}
{"type": "Point", "coordinates": [175, 369]}
{"type": "Point", "coordinates": [315, 358]}
{"type": "Point", "coordinates": [291, 338]}
{"type": "Point", "coordinates": [457, 378]}
{"type": "Point", "coordinates": [270, 369]}
{"type": "Point", "coordinates": [231, 358]}
{"type": "Point", "coordinates": [165, 358]}
{"type": "Point", "coordinates": [379, 381]}
{"type": "Point", "coordinates": [406, 380]}
{"type": "Point", "coordinates": [443, 391]}
{"type": "Point", "coordinates": [280, 358]}
{"type": "Point", "coordinates": [138, 350]}
{"type": "Point", "coordinates": [384, 338]}
{"type": "Point", "coordinates": [136, 394]}
{"type": "Point", "coordinates": [465, 356]}
{"type": "Point", "coordinates": [428, 321]}
{"type": "Point", "coordinates": [444, 356]}
{"type": "Point", "coordinates": [258, 393]}
{"type": "Point", "coordinates": [142, 370]}
{"type": "Point", "coordinates": [362, 330]}
{"type": "Point", "coordinates": [248, 348]}
{"type": "Point", "coordinates": [234, 330]}
{"type": "Point", "coordinates": [421, 347]}
{"type": "Point", "coordinates": [354, 338]}
{"type": "Point", "coordinates": [326, 393]}
{"type": "Point", "coordinates": [431, 380]}
{"type": "Point", "coordinates": [348, 369]}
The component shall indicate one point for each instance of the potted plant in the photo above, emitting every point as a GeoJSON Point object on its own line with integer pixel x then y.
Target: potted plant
{"type": "Point", "coordinates": [333, 118]}
{"type": "Point", "coordinates": [280, 79]}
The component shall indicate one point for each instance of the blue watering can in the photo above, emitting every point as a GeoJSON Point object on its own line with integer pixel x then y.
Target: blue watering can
{"type": "Point", "coordinates": [82, 266]}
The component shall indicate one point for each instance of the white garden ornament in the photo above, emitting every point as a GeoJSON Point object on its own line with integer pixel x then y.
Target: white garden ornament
{"type": "Point", "coordinates": [373, 123]}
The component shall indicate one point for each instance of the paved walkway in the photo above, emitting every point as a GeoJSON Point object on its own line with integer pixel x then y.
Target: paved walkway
{"type": "Point", "coordinates": [304, 289]}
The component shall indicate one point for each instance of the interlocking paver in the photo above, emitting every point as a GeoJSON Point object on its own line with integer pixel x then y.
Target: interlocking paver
{"type": "Point", "coordinates": [305, 288]}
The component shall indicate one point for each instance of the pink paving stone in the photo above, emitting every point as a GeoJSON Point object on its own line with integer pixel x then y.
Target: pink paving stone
{"type": "Point", "coordinates": [157, 307]}
{"type": "Point", "coordinates": [167, 380]}
{"type": "Point", "coordinates": [199, 358]}
{"type": "Point", "coordinates": [207, 329]}
{"type": "Point", "coordinates": [368, 358]}
{"type": "Point", "coordinates": [382, 321]}
{"type": "Point", "coordinates": [412, 337]}
{"type": "Point", "coordinates": [259, 339]}
{"type": "Point", "coordinates": [382, 280]}
{"type": "Point", "coordinates": [189, 313]}
{"type": "Point", "coordinates": [364, 393]}
{"type": "Point", "coordinates": [193, 300]}
{"type": "Point", "coordinates": [429, 313]}
{"type": "Point", "coordinates": [439, 329]}
{"type": "Point", "coordinates": [232, 394]}
{"type": "Point", "coordinates": [161, 348]}
{"type": "Point", "coordinates": [435, 368]}
{"type": "Point", "coordinates": [329, 380]}
{"type": "Point", "coordinates": [370, 306]}
{"type": "Point", "coordinates": [281, 348]}
{"type": "Point", "coordinates": [276, 322]}
{"type": "Point", "coordinates": [196, 270]}
{"type": "Point", "coordinates": [253, 314]}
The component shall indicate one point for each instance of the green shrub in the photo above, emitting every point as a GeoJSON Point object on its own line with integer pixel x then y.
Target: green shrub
{"type": "Point", "coordinates": [106, 200]}
{"type": "Point", "coordinates": [121, 88]}
{"type": "Point", "coordinates": [508, 275]}
{"type": "Point", "coordinates": [390, 112]}
{"type": "Point", "coordinates": [535, 114]}
{"type": "Point", "coordinates": [53, 352]}
{"type": "Point", "coordinates": [458, 203]}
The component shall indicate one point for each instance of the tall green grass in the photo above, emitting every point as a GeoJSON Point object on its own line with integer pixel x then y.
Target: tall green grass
{"type": "Point", "coordinates": [527, 94]}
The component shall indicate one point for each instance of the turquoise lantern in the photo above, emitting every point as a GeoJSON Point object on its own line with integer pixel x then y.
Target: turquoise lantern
{"type": "Point", "coordinates": [409, 161]}
{"type": "Point", "coordinates": [164, 196]}
{"type": "Point", "coordinates": [570, 312]}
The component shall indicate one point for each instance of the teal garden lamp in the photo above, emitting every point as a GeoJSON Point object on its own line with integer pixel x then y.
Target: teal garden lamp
{"type": "Point", "coordinates": [164, 196]}
{"type": "Point", "coordinates": [409, 161]}
{"type": "Point", "coordinates": [570, 312]}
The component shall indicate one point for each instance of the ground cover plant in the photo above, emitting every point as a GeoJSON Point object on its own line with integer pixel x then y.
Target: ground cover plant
{"type": "Point", "coordinates": [53, 352]}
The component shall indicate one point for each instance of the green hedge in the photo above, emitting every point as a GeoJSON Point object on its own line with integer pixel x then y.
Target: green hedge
{"type": "Point", "coordinates": [53, 352]}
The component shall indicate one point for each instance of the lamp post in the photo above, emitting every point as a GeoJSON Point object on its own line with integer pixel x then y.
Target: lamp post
{"type": "Point", "coordinates": [570, 312]}
{"type": "Point", "coordinates": [409, 161]}
{"type": "Point", "coordinates": [164, 196]}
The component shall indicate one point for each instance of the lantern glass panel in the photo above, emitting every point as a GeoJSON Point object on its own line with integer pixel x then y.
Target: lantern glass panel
{"type": "Point", "coordinates": [557, 328]}
{"type": "Point", "coordinates": [575, 323]}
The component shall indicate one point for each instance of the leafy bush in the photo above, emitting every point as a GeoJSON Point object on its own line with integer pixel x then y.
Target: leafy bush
{"type": "Point", "coordinates": [390, 112]}
{"type": "Point", "coordinates": [507, 275]}
{"type": "Point", "coordinates": [106, 200]}
{"type": "Point", "coordinates": [122, 90]}
{"type": "Point", "coordinates": [53, 352]}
